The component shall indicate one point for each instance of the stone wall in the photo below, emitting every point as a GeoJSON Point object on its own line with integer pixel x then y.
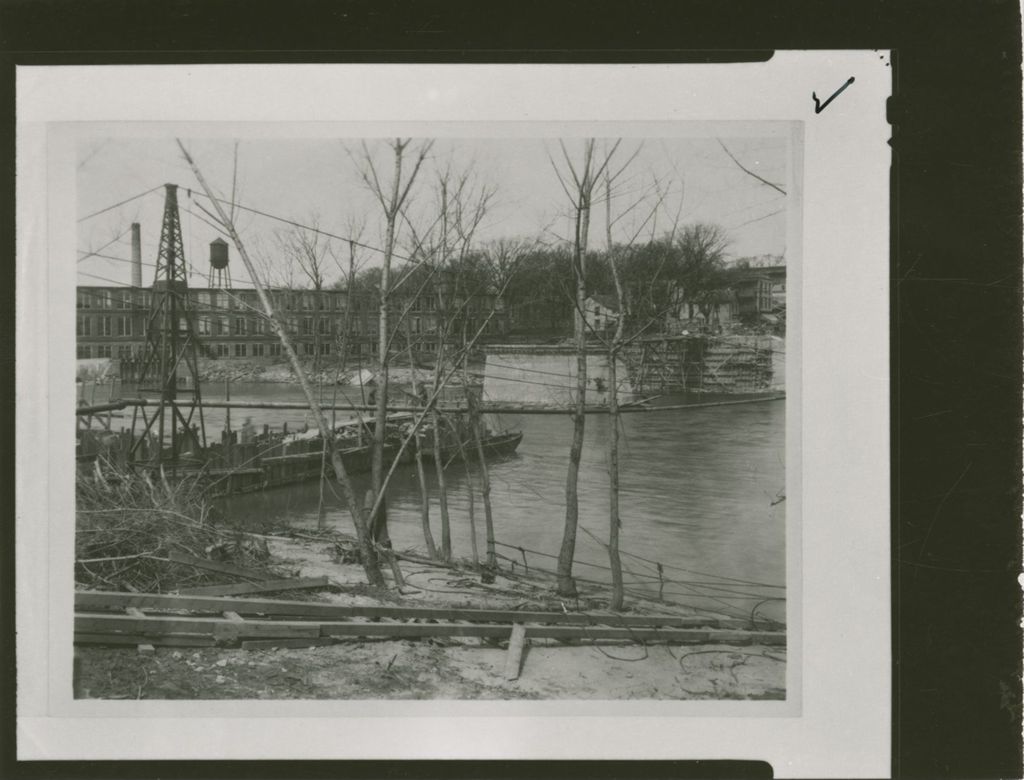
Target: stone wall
{"type": "Point", "coordinates": [538, 375]}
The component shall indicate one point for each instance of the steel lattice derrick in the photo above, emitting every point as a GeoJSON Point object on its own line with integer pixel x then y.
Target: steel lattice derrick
{"type": "Point", "coordinates": [171, 342]}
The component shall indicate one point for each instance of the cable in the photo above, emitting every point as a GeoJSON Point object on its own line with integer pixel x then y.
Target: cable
{"type": "Point", "coordinates": [287, 221]}
{"type": "Point", "coordinates": [116, 205]}
{"type": "Point", "coordinates": [87, 255]}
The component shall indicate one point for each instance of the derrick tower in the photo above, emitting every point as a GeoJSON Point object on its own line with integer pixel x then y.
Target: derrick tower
{"type": "Point", "coordinates": [171, 345]}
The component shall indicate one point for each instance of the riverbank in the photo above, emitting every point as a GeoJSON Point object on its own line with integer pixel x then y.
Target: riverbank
{"type": "Point", "coordinates": [437, 667]}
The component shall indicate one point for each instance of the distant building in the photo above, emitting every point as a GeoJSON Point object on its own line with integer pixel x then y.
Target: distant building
{"type": "Point", "coordinates": [111, 321]}
{"type": "Point", "coordinates": [753, 295]}
{"type": "Point", "coordinates": [773, 268]}
{"type": "Point", "coordinates": [685, 315]}
{"type": "Point", "coordinates": [601, 312]}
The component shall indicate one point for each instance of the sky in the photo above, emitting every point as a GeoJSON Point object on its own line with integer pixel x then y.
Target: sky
{"type": "Point", "coordinates": [309, 180]}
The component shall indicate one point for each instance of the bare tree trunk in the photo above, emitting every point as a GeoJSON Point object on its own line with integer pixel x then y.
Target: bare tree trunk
{"type": "Point", "coordinates": [369, 556]}
{"type": "Point", "coordinates": [379, 524]}
{"type": "Point", "coordinates": [566, 584]}
{"type": "Point", "coordinates": [428, 537]}
{"type": "Point", "coordinates": [442, 487]}
{"type": "Point", "coordinates": [472, 503]}
{"type": "Point", "coordinates": [614, 522]}
{"type": "Point", "coordinates": [368, 504]}
{"type": "Point", "coordinates": [485, 479]}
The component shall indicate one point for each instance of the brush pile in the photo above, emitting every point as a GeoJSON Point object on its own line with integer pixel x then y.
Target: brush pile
{"type": "Point", "coordinates": [129, 523]}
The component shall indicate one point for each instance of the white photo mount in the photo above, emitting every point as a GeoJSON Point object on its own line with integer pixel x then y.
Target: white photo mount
{"type": "Point", "coordinates": [836, 720]}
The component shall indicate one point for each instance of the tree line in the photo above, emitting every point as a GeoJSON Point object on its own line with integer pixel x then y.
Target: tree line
{"type": "Point", "coordinates": [682, 273]}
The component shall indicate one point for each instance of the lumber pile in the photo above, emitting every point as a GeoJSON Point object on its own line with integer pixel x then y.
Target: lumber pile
{"type": "Point", "coordinates": [148, 619]}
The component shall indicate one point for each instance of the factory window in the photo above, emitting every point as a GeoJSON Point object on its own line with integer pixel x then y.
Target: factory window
{"type": "Point", "coordinates": [124, 326]}
{"type": "Point", "coordinates": [307, 301]}
{"type": "Point", "coordinates": [323, 327]}
{"type": "Point", "coordinates": [84, 352]}
{"type": "Point", "coordinates": [415, 324]}
{"type": "Point", "coordinates": [84, 301]}
{"type": "Point", "coordinates": [321, 301]}
{"type": "Point", "coordinates": [239, 350]}
{"type": "Point", "coordinates": [307, 326]}
{"type": "Point", "coordinates": [82, 326]}
{"type": "Point", "coordinates": [275, 350]}
{"type": "Point", "coordinates": [124, 352]}
{"type": "Point", "coordinates": [203, 324]}
{"type": "Point", "coordinates": [103, 351]}
{"type": "Point", "coordinates": [239, 326]}
{"type": "Point", "coordinates": [106, 327]}
{"type": "Point", "coordinates": [257, 350]}
{"type": "Point", "coordinates": [257, 326]}
{"type": "Point", "coordinates": [307, 349]}
{"type": "Point", "coordinates": [325, 349]}
{"type": "Point", "coordinates": [222, 350]}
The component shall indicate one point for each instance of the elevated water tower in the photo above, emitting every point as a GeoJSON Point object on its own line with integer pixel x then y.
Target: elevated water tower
{"type": "Point", "coordinates": [220, 274]}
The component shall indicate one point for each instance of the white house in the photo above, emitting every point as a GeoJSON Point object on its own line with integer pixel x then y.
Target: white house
{"type": "Point", "coordinates": [601, 311]}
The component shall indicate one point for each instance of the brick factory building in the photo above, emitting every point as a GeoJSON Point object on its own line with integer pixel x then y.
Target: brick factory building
{"type": "Point", "coordinates": [111, 321]}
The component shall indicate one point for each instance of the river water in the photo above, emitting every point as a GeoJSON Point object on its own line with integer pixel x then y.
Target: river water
{"type": "Point", "coordinates": [700, 493]}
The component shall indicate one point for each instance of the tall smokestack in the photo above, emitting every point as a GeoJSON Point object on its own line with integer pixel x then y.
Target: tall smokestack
{"type": "Point", "coordinates": [136, 255]}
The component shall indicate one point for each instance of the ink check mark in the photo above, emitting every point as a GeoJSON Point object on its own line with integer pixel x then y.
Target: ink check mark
{"type": "Point", "coordinates": [819, 107]}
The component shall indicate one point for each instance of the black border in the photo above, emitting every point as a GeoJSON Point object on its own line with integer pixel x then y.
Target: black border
{"type": "Point", "coordinates": [956, 303]}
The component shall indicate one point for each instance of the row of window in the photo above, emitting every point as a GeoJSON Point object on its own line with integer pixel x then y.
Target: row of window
{"type": "Point", "coordinates": [126, 326]}
{"type": "Point", "coordinates": [107, 326]}
{"type": "Point", "coordinates": [126, 351]}
{"type": "Point", "coordinates": [336, 300]}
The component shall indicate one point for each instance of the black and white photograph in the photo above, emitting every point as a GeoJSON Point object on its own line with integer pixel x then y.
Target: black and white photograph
{"type": "Point", "coordinates": [421, 417]}
{"type": "Point", "coordinates": [462, 412]}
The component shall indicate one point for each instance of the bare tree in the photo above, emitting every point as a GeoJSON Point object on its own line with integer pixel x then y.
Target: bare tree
{"type": "Point", "coordinates": [578, 181]}
{"type": "Point", "coordinates": [369, 555]}
{"type": "Point", "coordinates": [443, 247]}
{"type": "Point", "coordinates": [392, 197]}
{"type": "Point", "coordinates": [749, 172]}
{"type": "Point", "coordinates": [614, 348]}
{"type": "Point", "coordinates": [354, 228]}
{"type": "Point", "coordinates": [307, 251]}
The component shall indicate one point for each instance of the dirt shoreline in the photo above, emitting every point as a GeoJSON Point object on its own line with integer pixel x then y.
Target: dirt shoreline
{"type": "Point", "coordinates": [437, 668]}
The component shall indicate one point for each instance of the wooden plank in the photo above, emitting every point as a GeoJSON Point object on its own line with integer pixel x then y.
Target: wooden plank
{"type": "Point", "coordinates": [225, 568]}
{"type": "Point", "coordinates": [415, 630]}
{"type": "Point", "coordinates": [98, 600]}
{"type": "Point", "coordinates": [146, 649]}
{"type": "Point", "coordinates": [172, 640]}
{"type": "Point", "coordinates": [225, 629]}
{"type": "Point", "coordinates": [230, 630]}
{"type": "Point", "coordinates": [294, 583]}
{"type": "Point", "coordinates": [682, 635]}
{"type": "Point", "coordinates": [234, 617]}
{"type": "Point", "coordinates": [135, 612]}
{"type": "Point", "coordinates": [268, 644]}
{"type": "Point", "coordinates": [515, 652]}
